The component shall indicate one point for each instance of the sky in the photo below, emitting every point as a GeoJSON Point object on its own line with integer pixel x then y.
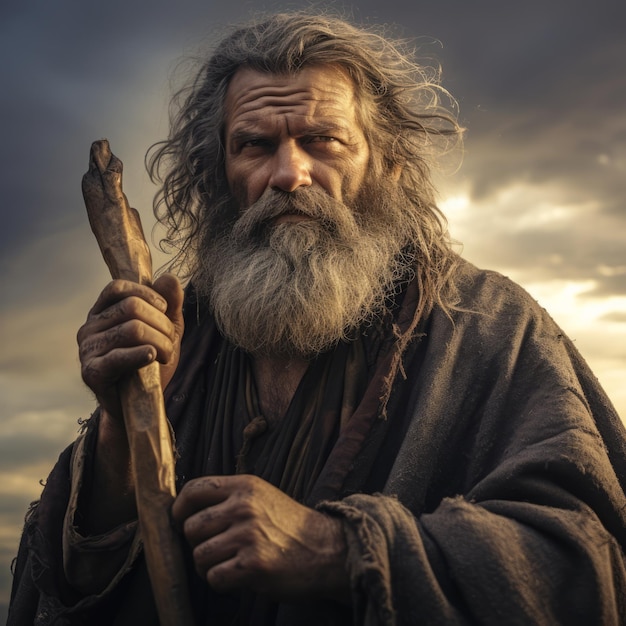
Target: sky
{"type": "Point", "coordinates": [538, 193]}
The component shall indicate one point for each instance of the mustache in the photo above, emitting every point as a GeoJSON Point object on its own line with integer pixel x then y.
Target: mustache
{"type": "Point", "coordinates": [330, 214]}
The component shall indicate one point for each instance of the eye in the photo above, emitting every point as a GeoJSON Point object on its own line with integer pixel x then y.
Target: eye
{"type": "Point", "coordinates": [322, 139]}
{"type": "Point", "coordinates": [252, 143]}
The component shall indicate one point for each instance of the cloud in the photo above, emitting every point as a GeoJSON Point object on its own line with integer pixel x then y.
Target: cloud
{"type": "Point", "coordinates": [24, 449]}
{"type": "Point", "coordinates": [50, 285]}
{"type": "Point", "coordinates": [615, 316]}
{"type": "Point", "coordinates": [545, 200]}
{"type": "Point", "coordinates": [76, 75]}
{"type": "Point", "coordinates": [539, 196]}
{"type": "Point", "coordinates": [542, 232]}
{"type": "Point", "coordinates": [548, 126]}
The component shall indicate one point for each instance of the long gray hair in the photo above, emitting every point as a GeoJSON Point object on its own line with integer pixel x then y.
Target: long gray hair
{"type": "Point", "coordinates": [401, 113]}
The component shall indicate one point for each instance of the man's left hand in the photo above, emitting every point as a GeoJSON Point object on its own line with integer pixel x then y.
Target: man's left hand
{"type": "Point", "coordinates": [246, 533]}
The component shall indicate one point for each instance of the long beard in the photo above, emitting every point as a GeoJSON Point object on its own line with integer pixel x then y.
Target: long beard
{"type": "Point", "coordinates": [299, 287]}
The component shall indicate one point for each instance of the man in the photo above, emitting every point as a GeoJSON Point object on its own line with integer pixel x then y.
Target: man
{"type": "Point", "coordinates": [369, 429]}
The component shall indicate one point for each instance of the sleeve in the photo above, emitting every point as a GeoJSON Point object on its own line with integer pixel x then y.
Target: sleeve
{"type": "Point", "coordinates": [94, 564]}
{"type": "Point", "coordinates": [505, 504]}
{"type": "Point", "coordinates": [53, 579]}
{"type": "Point", "coordinates": [491, 563]}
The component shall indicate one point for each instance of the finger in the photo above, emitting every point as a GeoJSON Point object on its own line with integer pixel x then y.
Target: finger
{"type": "Point", "coordinates": [233, 570]}
{"type": "Point", "coordinates": [201, 493]}
{"type": "Point", "coordinates": [207, 523]}
{"type": "Point", "coordinates": [132, 333]}
{"type": "Point", "coordinates": [169, 287]}
{"type": "Point", "coordinates": [238, 557]}
{"type": "Point", "coordinates": [130, 308]}
{"type": "Point", "coordinates": [213, 553]}
{"type": "Point", "coordinates": [118, 290]}
{"type": "Point", "coordinates": [225, 575]}
{"type": "Point", "coordinates": [100, 373]}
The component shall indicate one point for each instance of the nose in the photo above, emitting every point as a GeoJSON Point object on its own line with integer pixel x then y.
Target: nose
{"type": "Point", "coordinates": [291, 168]}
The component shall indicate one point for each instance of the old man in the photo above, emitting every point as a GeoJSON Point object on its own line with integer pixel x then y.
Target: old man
{"type": "Point", "coordinates": [369, 429]}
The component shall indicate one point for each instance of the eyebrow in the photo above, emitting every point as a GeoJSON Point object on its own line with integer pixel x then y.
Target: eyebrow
{"type": "Point", "coordinates": [250, 130]}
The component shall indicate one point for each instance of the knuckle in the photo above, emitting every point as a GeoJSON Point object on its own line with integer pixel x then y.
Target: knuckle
{"type": "Point", "coordinates": [83, 350]}
{"type": "Point", "coordinates": [92, 375]}
{"type": "Point", "coordinates": [246, 508]}
{"type": "Point", "coordinates": [127, 334]}
{"type": "Point", "coordinates": [255, 537]}
{"type": "Point", "coordinates": [88, 346]}
{"type": "Point", "coordinates": [195, 485]}
{"type": "Point", "coordinates": [204, 483]}
{"type": "Point", "coordinates": [116, 286]}
{"type": "Point", "coordinates": [112, 291]}
{"type": "Point", "coordinates": [193, 492]}
{"type": "Point", "coordinates": [252, 486]}
{"type": "Point", "coordinates": [194, 527]}
{"type": "Point", "coordinates": [207, 515]}
{"type": "Point", "coordinates": [81, 334]}
{"type": "Point", "coordinates": [93, 367]}
{"type": "Point", "coordinates": [213, 482]}
{"type": "Point", "coordinates": [131, 306]}
{"type": "Point", "coordinates": [86, 373]}
{"type": "Point", "coordinates": [132, 329]}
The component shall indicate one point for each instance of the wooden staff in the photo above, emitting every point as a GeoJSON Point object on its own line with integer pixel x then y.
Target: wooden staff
{"type": "Point", "coordinates": [117, 228]}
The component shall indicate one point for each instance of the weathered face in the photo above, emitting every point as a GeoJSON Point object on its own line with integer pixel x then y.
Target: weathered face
{"type": "Point", "coordinates": [287, 132]}
{"type": "Point", "coordinates": [313, 238]}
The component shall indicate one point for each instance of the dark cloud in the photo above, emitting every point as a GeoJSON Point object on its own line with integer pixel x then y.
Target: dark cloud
{"type": "Point", "coordinates": [74, 75]}
{"type": "Point", "coordinates": [520, 71]}
{"type": "Point", "coordinates": [540, 86]}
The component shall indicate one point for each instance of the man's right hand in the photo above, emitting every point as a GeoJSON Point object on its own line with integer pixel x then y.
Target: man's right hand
{"type": "Point", "coordinates": [130, 326]}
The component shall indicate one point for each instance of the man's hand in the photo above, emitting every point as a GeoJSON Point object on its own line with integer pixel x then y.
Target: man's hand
{"type": "Point", "coordinates": [130, 326]}
{"type": "Point", "coordinates": [246, 533]}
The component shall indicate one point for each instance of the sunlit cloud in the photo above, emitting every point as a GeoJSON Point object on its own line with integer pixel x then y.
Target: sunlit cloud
{"type": "Point", "coordinates": [492, 234]}
{"type": "Point", "coordinates": [539, 195]}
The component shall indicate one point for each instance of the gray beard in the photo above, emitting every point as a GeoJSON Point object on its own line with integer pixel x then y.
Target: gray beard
{"type": "Point", "coordinates": [298, 288]}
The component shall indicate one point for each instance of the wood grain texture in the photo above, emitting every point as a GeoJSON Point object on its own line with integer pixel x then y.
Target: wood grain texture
{"type": "Point", "coordinates": [117, 228]}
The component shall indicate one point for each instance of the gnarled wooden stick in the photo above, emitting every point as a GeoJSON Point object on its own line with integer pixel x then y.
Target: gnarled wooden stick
{"type": "Point", "coordinates": [117, 228]}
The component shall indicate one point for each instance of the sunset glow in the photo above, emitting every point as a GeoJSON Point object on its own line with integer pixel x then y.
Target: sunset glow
{"type": "Point", "coordinates": [539, 195]}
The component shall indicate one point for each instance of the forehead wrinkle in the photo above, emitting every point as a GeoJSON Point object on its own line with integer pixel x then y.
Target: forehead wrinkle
{"type": "Point", "coordinates": [259, 98]}
{"type": "Point", "coordinates": [298, 118]}
{"type": "Point", "coordinates": [298, 105]}
{"type": "Point", "coordinates": [310, 123]}
{"type": "Point", "coordinates": [273, 104]}
{"type": "Point", "coordinates": [244, 95]}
